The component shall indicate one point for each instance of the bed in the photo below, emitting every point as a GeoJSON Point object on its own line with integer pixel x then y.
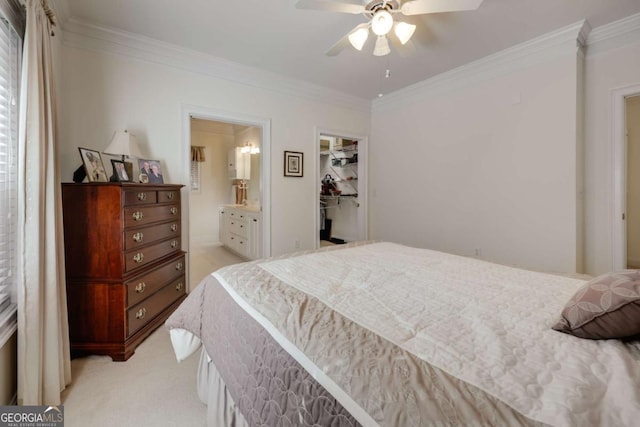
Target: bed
{"type": "Point", "coordinates": [381, 334]}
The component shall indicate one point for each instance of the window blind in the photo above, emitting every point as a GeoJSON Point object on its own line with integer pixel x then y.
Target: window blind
{"type": "Point", "coordinates": [10, 57]}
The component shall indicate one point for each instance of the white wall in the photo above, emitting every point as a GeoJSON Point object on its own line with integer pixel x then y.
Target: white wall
{"type": "Point", "coordinates": [215, 187]}
{"type": "Point", "coordinates": [606, 70]}
{"type": "Point", "coordinates": [483, 165]}
{"type": "Point", "coordinates": [101, 92]}
{"type": "Point", "coordinates": [471, 136]}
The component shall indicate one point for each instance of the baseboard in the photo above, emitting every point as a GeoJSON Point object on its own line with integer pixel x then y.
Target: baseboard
{"type": "Point", "coordinates": [635, 262]}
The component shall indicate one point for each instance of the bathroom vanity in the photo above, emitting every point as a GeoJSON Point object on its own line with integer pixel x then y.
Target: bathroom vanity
{"type": "Point", "coordinates": [241, 230]}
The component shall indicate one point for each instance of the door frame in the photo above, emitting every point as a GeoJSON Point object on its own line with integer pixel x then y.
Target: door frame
{"type": "Point", "coordinates": [618, 99]}
{"type": "Point", "coordinates": [363, 162]}
{"type": "Point", "coordinates": [195, 111]}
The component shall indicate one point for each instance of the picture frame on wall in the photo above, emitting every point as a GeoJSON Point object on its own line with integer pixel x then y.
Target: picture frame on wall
{"type": "Point", "coordinates": [93, 166]}
{"type": "Point", "coordinates": [150, 171]}
{"type": "Point", "coordinates": [120, 173]}
{"type": "Point", "coordinates": [293, 164]}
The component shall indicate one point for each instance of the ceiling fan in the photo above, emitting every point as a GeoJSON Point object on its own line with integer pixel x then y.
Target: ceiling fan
{"type": "Point", "coordinates": [381, 21]}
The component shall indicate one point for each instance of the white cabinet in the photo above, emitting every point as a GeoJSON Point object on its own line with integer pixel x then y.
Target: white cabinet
{"type": "Point", "coordinates": [238, 164]}
{"type": "Point", "coordinates": [240, 231]}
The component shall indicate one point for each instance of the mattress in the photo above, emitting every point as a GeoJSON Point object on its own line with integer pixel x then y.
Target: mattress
{"type": "Point", "coordinates": [383, 334]}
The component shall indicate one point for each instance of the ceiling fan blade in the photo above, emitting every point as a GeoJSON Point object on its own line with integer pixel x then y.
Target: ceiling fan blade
{"type": "Point", "coordinates": [344, 41]}
{"type": "Point", "coordinates": [330, 6]}
{"type": "Point", "coordinates": [418, 7]}
{"type": "Point", "coordinates": [338, 47]}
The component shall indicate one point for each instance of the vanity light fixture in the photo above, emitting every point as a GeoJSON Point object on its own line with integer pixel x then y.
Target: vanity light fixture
{"type": "Point", "coordinates": [248, 148]}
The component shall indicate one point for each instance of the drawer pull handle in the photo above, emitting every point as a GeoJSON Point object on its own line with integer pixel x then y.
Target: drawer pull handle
{"type": "Point", "coordinates": [170, 195]}
{"type": "Point", "coordinates": [174, 227]}
{"type": "Point", "coordinates": [137, 215]}
{"type": "Point", "coordinates": [174, 210]}
{"type": "Point", "coordinates": [179, 266]}
{"type": "Point", "coordinates": [140, 287]}
{"type": "Point", "coordinates": [138, 237]}
{"type": "Point", "coordinates": [242, 226]}
{"type": "Point", "coordinates": [174, 244]}
{"type": "Point", "coordinates": [138, 257]}
{"type": "Point", "coordinates": [142, 196]}
{"type": "Point", "coordinates": [141, 313]}
{"type": "Point", "coordinates": [179, 286]}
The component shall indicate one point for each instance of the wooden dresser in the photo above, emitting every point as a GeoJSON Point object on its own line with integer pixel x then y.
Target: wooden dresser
{"type": "Point", "coordinates": [124, 265]}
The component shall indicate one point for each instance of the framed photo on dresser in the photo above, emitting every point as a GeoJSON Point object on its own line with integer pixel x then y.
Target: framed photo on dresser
{"type": "Point", "coordinates": [120, 173]}
{"type": "Point", "coordinates": [150, 171]}
{"type": "Point", "coordinates": [93, 166]}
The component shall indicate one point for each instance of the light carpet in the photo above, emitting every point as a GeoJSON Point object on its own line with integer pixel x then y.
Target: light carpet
{"type": "Point", "coordinates": [149, 389]}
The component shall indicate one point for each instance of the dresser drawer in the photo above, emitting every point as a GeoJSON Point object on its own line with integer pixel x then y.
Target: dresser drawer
{"type": "Point", "coordinates": [238, 226]}
{"type": "Point", "coordinates": [238, 244]}
{"type": "Point", "coordinates": [138, 257]}
{"type": "Point", "coordinates": [168, 196]}
{"type": "Point", "coordinates": [140, 197]}
{"type": "Point", "coordinates": [237, 215]}
{"type": "Point", "coordinates": [143, 286]}
{"type": "Point", "coordinates": [136, 237]}
{"type": "Point", "coordinates": [144, 312]}
{"type": "Point", "coordinates": [136, 216]}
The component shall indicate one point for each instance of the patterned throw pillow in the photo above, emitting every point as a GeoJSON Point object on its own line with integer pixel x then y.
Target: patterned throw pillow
{"type": "Point", "coordinates": [605, 307]}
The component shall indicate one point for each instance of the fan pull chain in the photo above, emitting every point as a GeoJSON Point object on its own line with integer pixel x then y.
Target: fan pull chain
{"type": "Point", "coordinates": [387, 74]}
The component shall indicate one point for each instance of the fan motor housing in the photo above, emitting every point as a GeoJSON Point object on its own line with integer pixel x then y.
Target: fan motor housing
{"type": "Point", "coordinates": [373, 6]}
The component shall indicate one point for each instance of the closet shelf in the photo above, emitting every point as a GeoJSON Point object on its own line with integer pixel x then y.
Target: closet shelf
{"type": "Point", "coordinates": [339, 197]}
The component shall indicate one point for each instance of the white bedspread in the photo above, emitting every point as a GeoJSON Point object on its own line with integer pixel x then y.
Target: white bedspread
{"type": "Point", "coordinates": [487, 324]}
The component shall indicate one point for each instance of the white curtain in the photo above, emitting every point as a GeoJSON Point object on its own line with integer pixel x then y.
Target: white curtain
{"type": "Point", "coordinates": [44, 367]}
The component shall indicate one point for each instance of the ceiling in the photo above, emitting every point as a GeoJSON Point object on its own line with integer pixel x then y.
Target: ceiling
{"type": "Point", "coordinates": [275, 36]}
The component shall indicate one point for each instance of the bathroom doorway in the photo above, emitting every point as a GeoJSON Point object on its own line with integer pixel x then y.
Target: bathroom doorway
{"type": "Point", "coordinates": [212, 136]}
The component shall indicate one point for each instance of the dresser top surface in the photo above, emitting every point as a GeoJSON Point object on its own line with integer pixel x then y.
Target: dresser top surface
{"type": "Point", "coordinates": [121, 184]}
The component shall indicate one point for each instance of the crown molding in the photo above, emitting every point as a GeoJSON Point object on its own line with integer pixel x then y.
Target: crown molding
{"type": "Point", "coordinates": [614, 35]}
{"type": "Point", "coordinates": [82, 35]}
{"type": "Point", "coordinates": [562, 42]}
{"type": "Point", "coordinates": [61, 10]}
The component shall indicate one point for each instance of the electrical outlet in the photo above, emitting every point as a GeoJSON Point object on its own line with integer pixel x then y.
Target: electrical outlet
{"type": "Point", "coordinates": [297, 244]}
{"type": "Point", "coordinates": [478, 252]}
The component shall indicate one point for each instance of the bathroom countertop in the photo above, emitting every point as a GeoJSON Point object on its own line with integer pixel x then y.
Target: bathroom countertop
{"type": "Point", "coordinates": [248, 208]}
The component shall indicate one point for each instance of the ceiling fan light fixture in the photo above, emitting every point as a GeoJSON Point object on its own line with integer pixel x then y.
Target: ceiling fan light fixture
{"type": "Point", "coordinates": [404, 31]}
{"type": "Point", "coordinates": [358, 38]}
{"type": "Point", "coordinates": [381, 22]}
{"type": "Point", "coordinates": [382, 47]}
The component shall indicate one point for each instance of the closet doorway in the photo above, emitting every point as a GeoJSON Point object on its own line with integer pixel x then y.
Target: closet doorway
{"type": "Point", "coordinates": [341, 188]}
{"type": "Point", "coordinates": [212, 189]}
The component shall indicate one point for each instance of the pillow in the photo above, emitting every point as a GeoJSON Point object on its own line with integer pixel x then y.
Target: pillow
{"type": "Point", "coordinates": [605, 307]}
